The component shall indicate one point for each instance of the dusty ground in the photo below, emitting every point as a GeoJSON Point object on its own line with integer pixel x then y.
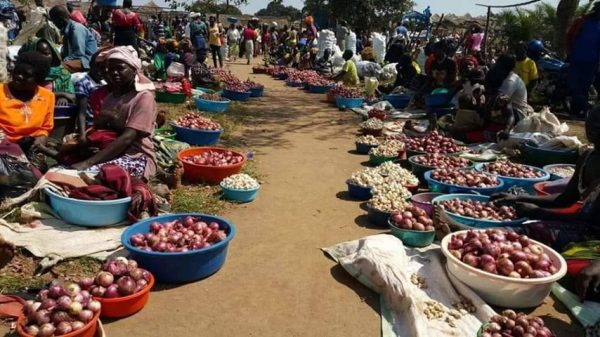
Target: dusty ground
{"type": "Point", "coordinates": [276, 281]}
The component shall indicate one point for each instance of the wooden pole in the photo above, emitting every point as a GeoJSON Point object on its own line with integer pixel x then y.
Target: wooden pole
{"type": "Point", "coordinates": [485, 36]}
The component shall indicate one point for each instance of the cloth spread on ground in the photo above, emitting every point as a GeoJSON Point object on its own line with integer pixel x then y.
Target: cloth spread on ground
{"type": "Point", "coordinates": [382, 263]}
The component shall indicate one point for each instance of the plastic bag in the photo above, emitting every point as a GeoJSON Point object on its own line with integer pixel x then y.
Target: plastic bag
{"type": "Point", "coordinates": [326, 40]}
{"type": "Point", "coordinates": [176, 70]}
{"type": "Point", "coordinates": [544, 121]}
{"type": "Point", "coordinates": [378, 46]}
{"type": "Point", "coordinates": [351, 42]}
{"type": "Point", "coordinates": [367, 69]}
{"type": "Point", "coordinates": [371, 84]}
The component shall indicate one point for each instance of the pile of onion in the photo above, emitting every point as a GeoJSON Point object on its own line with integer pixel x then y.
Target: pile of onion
{"type": "Point", "coordinates": [433, 143]}
{"type": "Point", "coordinates": [179, 236]}
{"type": "Point", "coordinates": [59, 310]}
{"type": "Point", "coordinates": [412, 218]}
{"type": "Point", "coordinates": [118, 278]}
{"type": "Point", "coordinates": [479, 210]}
{"type": "Point", "coordinates": [214, 158]}
{"type": "Point", "coordinates": [513, 170]}
{"type": "Point", "coordinates": [441, 161]}
{"type": "Point", "coordinates": [464, 177]}
{"type": "Point", "coordinates": [196, 122]}
{"type": "Point", "coordinates": [509, 323]}
{"type": "Point", "coordinates": [504, 253]}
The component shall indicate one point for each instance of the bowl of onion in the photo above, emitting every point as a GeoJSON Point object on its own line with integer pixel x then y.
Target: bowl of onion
{"type": "Point", "coordinates": [179, 248]}
{"type": "Point", "coordinates": [423, 201]}
{"type": "Point", "coordinates": [60, 311]}
{"type": "Point", "coordinates": [210, 164]}
{"type": "Point", "coordinates": [475, 211]}
{"type": "Point", "coordinates": [121, 287]}
{"type": "Point", "coordinates": [462, 181]}
{"type": "Point", "coordinates": [349, 102]}
{"type": "Point", "coordinates": [504, 268]}
{"type": "Point", "coordinates": [209, 103]}
{"type": "Point", "coordinates": [431, 161]}
{"type": "Point", "coordinates": [412, 226]}
{"type": "Point", "coordinates": [510, 323]}
{"type": "Point", "coordinates": [240, 187]}
{"type": "Point", "coordinates": [197, 130]}
{"type": "Point", "coordinates": [513, 174]}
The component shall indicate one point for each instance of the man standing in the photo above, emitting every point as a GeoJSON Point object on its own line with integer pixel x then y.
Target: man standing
{"type": "Point", "coordinates": [76, 14]}
{"type": "Point", "coordinates": [79, 44]}
{"type": "Point", "coordinates": [526, 67]}
{"type": "Point", "coordinates": [341, 33]}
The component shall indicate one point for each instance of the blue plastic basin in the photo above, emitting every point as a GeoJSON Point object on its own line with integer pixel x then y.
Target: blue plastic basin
{"type": "Point", "coordinates": [236, 95]}
{"type": "Point", "coordinates": [197, 137]}
{"type": "Point", "coordinates": [319, 89]}
{"type": "Point", "coordinates": [525, 183]}
{"type": "Point", "coordinates": [349, 103]}
{"type": "Point", "coordinates": [239, 195]}
{"type": "Point", "coordinates": [533, 155]}
{"type": "Point", "coordinates": [364, 148]}
{"type": "Point", "coordinates": [185, 266]}
{"type": "Point", "coordinates": [257, 92]}
{"type": "Point", "coordinates": [437, 100]}
{"type": "Point", "coordinates": [89, 213]}
{"type": "Point", "coordinates": [440, 187]}
{"type": "Point", "coordinates": [411, 237]}
{"type": "Point", "coordinates": [398, 101]}
{"type": "Point", "coordinates": [359, 192]}
{"type": "Point", "coordinates": [472, 222]}
{"type": "Point", "coordinates": [211, 106]}
{"type": "Point", "coordinates": [378, 218]}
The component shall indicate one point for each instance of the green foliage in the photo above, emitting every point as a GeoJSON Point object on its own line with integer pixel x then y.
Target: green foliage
{"type": "Point", "coordinates": [277, 9]}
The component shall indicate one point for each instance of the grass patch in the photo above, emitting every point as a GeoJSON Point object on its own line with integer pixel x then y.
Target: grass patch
{"type": "Point", "coordinates": [198, 199]}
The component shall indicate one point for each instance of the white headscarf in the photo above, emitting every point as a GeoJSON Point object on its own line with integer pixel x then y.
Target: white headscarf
{"type": "Point", "coordinates": [128, 55]}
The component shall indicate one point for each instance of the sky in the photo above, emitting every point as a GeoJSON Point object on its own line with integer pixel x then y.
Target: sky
{"type": "Point", "coordinates": [458, 7]}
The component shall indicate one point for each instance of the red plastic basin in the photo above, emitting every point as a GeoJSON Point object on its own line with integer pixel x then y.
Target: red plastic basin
{"type": "Point", "coordinates": [210, 174]}
{"type": "Point", "coordinates": [540, 190]}
{"type": "Point", "coordinates": [88, 330]}
{"type": "Point", "coordinates": [119, 307]}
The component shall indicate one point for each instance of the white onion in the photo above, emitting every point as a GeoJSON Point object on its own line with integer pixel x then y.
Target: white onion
{"type": "Point", "coordinates": [367, 140]}
{"type": "Point", "coordinates": [241, 181]}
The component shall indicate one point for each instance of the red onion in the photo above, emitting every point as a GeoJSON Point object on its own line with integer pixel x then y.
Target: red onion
{"type": "Point", "coordinates": [126, 285]}
{"type": "Point", "coordinates": [505, 266]}
{"type": "Point", "coordinates": [471, 260]}
{"type": "Point", "coordinates": [63, 328]}
{"type": "Point", "coordinates": [523, 268]}
{"type": "Point", "coordinates": [85, 297]}
{"type": "Point", "coordinates": [46, 330]}
{"type": "Point", "coordinates": [32, 330]}
{"type": "Point", "coordinates": [72, 289]}
{"type": "Point", "coordinates": [55, 291]}
{"type": "Point", "coordinates": [31, 307]}
{"type": "Point", "coordinates": [42, 316]}
{"type": "Point", "coordinates": [75, 308]}
{"type": "Point", "coordinates": [86, 283]}
{"type": "Point", "coordinates": [86, 315]}
{"type": "Point", "coordinates": [98, 291]}
{"type": "Point", "coordinates": [64, 303]}
{"type": "Point", "coordinates": [112, 291]}
{"type": "Point", "coordinates": [105, 279]}
{"type": "Point", "coordinates": [542, 264]}
{"type": "Point", "coordinates": [60, 316]}
{"type": "Point", "coordinates": [94, 306]}
{"type": "Point", "coordinates": [512, 325]}
{"type": "Point", "coordinates": [48, 304]}
{"type": "Point", "coordinates": [43, 294]}
{"type": "Point", "coordinates": [76, 325]}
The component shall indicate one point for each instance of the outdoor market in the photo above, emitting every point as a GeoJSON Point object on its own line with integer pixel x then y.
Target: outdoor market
{"type": "Point", "coordinates": [299, 168]}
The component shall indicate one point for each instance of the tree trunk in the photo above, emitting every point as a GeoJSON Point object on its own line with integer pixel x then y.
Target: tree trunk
{"type": "Point", "coordinates": [564, 17]}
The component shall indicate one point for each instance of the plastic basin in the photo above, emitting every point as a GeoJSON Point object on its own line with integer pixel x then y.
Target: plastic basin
{"type": "Point", "coordinates": [525, 183]}
{"type": "Point", "coordinates": [294, 84]}
{"type": "Point", "coordinates": [210, 174]}
{"type": "Point", "coordinates": [412, 238]}
{"type": "Point", "coordinates": [371, 132]}
{"type": "Point", "coordinates": [504, 291]}
{"type": "Point", "coordinates": [398, 101]}
{"type": "Point", "coordinates": [378, 218]}
{"type": "Point", "coordinates": [257, 92]}
{"type": "Point", "coordinates": [89, 213]}
{"type": "Point", "coordinates": [533, 155]}
{"type": "Point", "coordinates": [423, 201]}
{"type": "Point", "coordinates": [166, 97]}
{"type": "Point", "coordinates": [364, 148]}
{"type": "Point", "coordinates": [472, 222]}
{"type": "Point", "coordinates": [543, 189]}
{"type": "Point", "coordinates": [359, 192]}
{"type": "Point", "coordinates": [197, 137]}
{"type": "Point", "coordinates": [88, 330]}
{"type": "Point", "coordinates": [420, 169]}
{"type": "Point", "coordinates": [349, 103]}
{"type": "Point", "coordinates": [125, 306]}
{"type": "Point", "coordinates": [319, 89]}
{"type": "Point", "coordinates": [281, 76]}
{"type": "Point", "coordinates": [236, 95]}
{"type": "Point", "coordinates": [185, 266]}
{"type": "Point", "coordinates": [436, 100]}
{"type": "Point", "coordinates": [553, 176]}
{"type": "Point", "coordinates": [440, 187]}
{"type": "Point", "coordinates": [239, 195]}
{"type": "Point", "coordinates": [211, 106]}
{"type": "Point", "coordinates": [205, 90]}
{"type": "Point", "coordinates": [378, 160]}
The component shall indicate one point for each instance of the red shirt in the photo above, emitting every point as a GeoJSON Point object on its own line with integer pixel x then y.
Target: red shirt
{"type": "Point", "coordinates": [249, 34]}
{"type": "Point", "coordinates": [122, 19]}
{"type": "Point", "coordinates": [96, 99]}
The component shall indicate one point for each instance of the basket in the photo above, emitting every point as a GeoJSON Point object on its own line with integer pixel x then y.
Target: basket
{"type": "Point", "coordinates": [349, 103]}
{"type": "Point", "coordinates": [236, 95]}
{"type": "Point", "coordinates": [210, 174]}
{"type": "Point", "coordinates": [197, 137]}
{"type": "Point", "coordinates": [119, 307]}
{"type": "Point", "coordinates": [440, 187]}
{"type": "Point", "coordinates": [174, 98]}
{"type": "Point", "coordinates": [239, 195]}
{"type": "Point", "coordinates": [180, 267]}
{"type": "Point", "coordinates": [211, 106]}
{"type": "Point", "coordinates": [398, 101]}
{"type": "Point", "coordinates": [359, 192]}
{"type": "Point", "coordinates": [472, 222]}
{"type": "Point", "coordinates": [410, 237]}
{"type": "Point", "coordinates": [364, 148]}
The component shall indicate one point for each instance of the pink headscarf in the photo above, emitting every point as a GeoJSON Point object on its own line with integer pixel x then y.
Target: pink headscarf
{"type": "Point", "coordinates": [128, 55]}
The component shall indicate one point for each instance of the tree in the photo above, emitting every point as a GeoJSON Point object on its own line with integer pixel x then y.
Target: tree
{"type": "Point", "coordinates": [277, 9]}
{"type": "Point", "coordinates": [203, 7]}
{"type": "Point", "coordinates": [220, 7]}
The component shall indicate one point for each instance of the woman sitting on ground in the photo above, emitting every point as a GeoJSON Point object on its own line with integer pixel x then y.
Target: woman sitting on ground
{"type": "Point", "coordinates": [27, 109]}
{"type": "Point", "coordinates": [123, 129]}
{"type": "Point", "coordinates": [58, 79]}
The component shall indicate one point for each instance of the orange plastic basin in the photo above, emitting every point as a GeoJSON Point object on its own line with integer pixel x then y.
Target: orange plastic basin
{"type": "Point", "coordinates": [210, 174]}
{"type": "Point", "coordinates": [88, 330]}
{"type": "Point", "coordinates": [125, 306]}
{"type": "Point", "coordinates": [539, 190]}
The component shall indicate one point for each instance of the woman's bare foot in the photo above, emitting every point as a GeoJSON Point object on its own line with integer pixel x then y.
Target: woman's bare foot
{"type": "Point", "coordinates": [7, 252]}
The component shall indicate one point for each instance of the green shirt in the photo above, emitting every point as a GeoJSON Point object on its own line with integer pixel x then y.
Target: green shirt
{"type": "Point", "coordinates": [351, 75]}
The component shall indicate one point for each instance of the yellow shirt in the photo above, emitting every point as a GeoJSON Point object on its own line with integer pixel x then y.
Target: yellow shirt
{"type": "Point", "coordinates": [351, 75]}
{"type": "Point", "coordinates": [417, 68]}
{"type": "Point", "coordinates": [527, 70]}
{"type": "Point", "coordinates": [214, 36]}
{"type": "Point", "coordinates": [20, 119]}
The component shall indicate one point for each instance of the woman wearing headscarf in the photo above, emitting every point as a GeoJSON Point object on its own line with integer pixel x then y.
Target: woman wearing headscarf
{"type": "Point", "coordinates": [58, 79]}
{"type": "Point", "coordinates": [123, 129]}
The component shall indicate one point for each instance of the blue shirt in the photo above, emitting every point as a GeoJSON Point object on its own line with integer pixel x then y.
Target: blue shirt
{"type": "Point", "coordinates": [84, 88]}
{"type": "Point", "coordinates": [586, 47]}
{"type": "Point", "coordinates": [78, 43]}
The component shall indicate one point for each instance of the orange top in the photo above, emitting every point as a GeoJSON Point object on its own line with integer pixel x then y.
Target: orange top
{"type": "Point", "coordinates": [20, 119]}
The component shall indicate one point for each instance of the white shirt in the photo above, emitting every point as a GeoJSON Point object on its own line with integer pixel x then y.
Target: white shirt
{"type": "Point", "coordinates": [233, 35]}
{"type": "Point", "coordinates": [514, 87]}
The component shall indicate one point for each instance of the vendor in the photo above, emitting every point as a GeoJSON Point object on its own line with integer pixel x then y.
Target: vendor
{"type": "Point", "coordinates": [502, 79]}
{"type": "Point", "coordinates": [323, 64]}
{"type": "Point", "coordinates": [27, 109]}
{"type": "Point", "coordinates": [125, 125]}
{"type": "Point", "coordinates": [58, 79]}
{"type": "Point", "coordinates": [349, 72]}
{"type": "Point", "coordinates": [584, 186]}
{"type": "Point", "coordinates": [498, 121]}
{"type": "Point", "coordinates": [406, 72]}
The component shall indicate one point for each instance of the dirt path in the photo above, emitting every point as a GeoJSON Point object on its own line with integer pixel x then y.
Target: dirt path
{"type": "Point", "coordinates": [276, 281]}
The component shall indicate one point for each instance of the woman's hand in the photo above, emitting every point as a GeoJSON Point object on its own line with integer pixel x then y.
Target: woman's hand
{"type": "Point", "coordinates": [82, 166]}
{"type": "Point", "coordinates": [526, 209]}
{"type": "Point", "coordinates": [504, 198]}
{"type": "Point", "coordinates": [62, 101]}
{"type": "Point", "coordinates": [588, 279]}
